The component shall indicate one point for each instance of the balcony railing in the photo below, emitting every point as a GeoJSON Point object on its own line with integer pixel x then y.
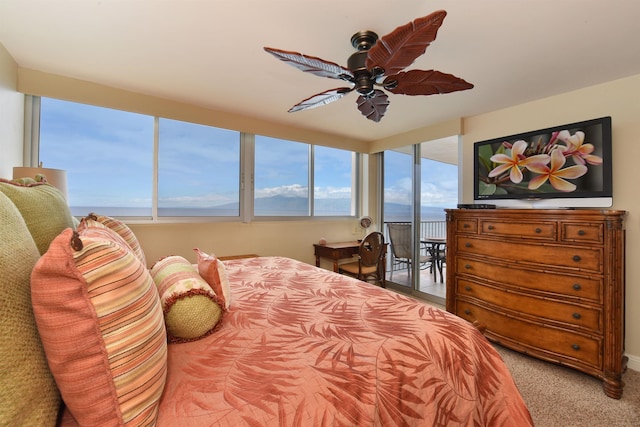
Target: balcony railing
{"type": "Point", "coordinates": [434, 229]}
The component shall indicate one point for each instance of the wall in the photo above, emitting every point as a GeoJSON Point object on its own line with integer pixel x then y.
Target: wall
{"type": "Point", "coordinates": [619, 99]}
{"type": "Point", "coordinates": [292, 239]}
{"type": "Point", "coordinates": [11, 115]}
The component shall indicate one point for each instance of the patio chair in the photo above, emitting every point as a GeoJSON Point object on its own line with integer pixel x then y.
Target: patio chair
{"type": "Point", "coordinates": [401, 250]}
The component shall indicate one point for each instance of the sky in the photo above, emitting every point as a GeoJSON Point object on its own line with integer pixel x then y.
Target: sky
{"type": "Point", "coordinates": [108, 157]}
{"type": "Point", "coordinates": [439, 181]}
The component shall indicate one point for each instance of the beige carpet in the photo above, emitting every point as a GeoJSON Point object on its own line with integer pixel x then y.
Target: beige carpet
{"type": "Point", "coordinates": [561, 397]}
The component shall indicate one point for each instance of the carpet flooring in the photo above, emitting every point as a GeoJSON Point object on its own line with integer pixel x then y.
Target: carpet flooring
{"type": "Point", "coordinates": [561, 397]}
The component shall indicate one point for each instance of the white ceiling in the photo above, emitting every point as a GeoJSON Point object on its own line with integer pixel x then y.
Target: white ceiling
{"type": "Point", "coordinates": [209, 53]}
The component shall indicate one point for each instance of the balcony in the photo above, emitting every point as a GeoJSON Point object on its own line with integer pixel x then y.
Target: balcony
{"type": "Point", "coordinates": [430, 280]}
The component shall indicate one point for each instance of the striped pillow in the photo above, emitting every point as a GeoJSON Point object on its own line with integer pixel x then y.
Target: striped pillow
{"type": "Point", "coordinates": [89, 227]}
{"type": "Point", "coordinates": [124, 231]}
{"type": "Point", "coordinates": [99, 316]}
{"type": "Point", "coordinates": [191, 309]}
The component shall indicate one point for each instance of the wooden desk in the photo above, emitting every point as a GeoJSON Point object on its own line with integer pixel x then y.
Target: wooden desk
{"type": "Point", "coordinates": [344, 250]}
{"type": "Point", "coordinates": [335, 252]}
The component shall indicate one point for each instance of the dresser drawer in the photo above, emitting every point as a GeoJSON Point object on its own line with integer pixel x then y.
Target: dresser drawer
{"type": "Point", "coordinates": [538, 230]}
{"type": "Point", "coordinates": [550, 340]}
{"type": "Point", "coordinates": [580, 258]}
{"type": "Point", "coordinates": [581, 316]}
{"type": "Point", "coordinates": [538, 280]}
{"type": "Point", "coordinates": [580, 232]}
{"type": "Point", "coordinates": [467, 225]}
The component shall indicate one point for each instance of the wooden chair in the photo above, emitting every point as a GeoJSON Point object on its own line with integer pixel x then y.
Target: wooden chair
{"type": "Point", "coordinates": [370, 262]}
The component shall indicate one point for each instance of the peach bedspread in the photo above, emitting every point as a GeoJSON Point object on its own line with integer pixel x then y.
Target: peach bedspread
{"type": "Point", "coordinates": [302, 346]}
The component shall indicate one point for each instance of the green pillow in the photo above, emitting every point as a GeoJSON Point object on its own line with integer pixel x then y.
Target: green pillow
{"type": "Point", "coordinates": [28, 393]}
{"type": "Point", "coordinates": [43, 208]}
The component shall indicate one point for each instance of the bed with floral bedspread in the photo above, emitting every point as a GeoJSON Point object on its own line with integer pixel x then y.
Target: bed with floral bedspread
{"type": "Point", "coordinates": [303, 346]}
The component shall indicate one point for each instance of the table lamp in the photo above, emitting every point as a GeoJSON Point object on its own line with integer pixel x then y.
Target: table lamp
{"type": "Point", "coordinates": [55, 177]}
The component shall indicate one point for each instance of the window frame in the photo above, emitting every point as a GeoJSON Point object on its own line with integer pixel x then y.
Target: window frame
{"type": "Point", "coordinates": [246, 181]}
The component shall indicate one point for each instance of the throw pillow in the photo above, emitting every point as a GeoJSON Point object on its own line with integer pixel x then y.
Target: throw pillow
{"type": "Point", "coordinates": [212, 270]}
{"type": "Point", "coordinates": [101, 324]}
{"type": "Point", "coordinates": [28, 392]}
{"type": "Point", "coordinates": [43, 224]}
{"type": "Point", "coordinates": [89, 227]}
{"type": "Point", "coordinates": [124, 231]}
{"type": "Point", "coordinates": [190, 306]}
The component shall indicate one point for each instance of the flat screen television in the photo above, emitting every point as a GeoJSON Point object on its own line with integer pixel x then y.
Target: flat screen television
{"type": "Point", "coordinates": [558, 167]}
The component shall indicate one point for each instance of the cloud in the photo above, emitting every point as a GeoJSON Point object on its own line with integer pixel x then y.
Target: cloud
{"type": "Point", "coordinates": [294, 190]}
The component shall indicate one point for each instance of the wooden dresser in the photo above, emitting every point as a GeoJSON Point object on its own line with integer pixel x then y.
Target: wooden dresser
{"type": "Point", "coordinates": [549, 283]}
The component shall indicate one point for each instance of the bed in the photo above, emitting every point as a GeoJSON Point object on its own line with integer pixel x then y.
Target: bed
{"type": "Point", "coordinates": [303, 346]}
{"type": "Point", "coordinates": [87, 331]}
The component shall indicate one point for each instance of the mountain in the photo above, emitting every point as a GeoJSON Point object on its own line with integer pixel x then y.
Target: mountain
{"type": "Point", "coordinates": [297, 206]}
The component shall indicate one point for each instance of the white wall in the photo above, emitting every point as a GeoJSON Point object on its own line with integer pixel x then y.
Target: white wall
{"type": "Point", "coordinates": [11, 115]}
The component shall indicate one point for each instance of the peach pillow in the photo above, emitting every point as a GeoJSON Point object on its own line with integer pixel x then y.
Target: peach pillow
{"type": "Point", "coordinates": [212, 270]}
{"type": "Point", "coordinates": [191, 309]}
{"type": "Point", "coordinates": [100, 320]}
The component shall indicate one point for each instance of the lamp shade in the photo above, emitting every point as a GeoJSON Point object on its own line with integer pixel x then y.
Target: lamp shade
{"type": "Point", "coordinates": [55, 177]}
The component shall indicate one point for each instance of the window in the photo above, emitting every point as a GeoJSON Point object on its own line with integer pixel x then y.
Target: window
{"type": "Point", "coordinates": [398, 186]}
{"type": "Point", "coordinates": [439, 187]}
{"type": "Point", "coordinates": [107, 155]}
{"type": "Point", "coordinates": [198, 170]}
{"type": "Point", "coordinates": [134, 165]}
{"type": "Point", "coordinates": [334, 181]}
{"type": "Point", "coordinates": [281, 178]}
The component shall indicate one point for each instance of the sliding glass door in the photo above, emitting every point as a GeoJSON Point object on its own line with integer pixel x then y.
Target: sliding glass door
{"type": "Point", "coordinates": [397, 213]}
{"type": "Point", "coordinates": [419, 183]}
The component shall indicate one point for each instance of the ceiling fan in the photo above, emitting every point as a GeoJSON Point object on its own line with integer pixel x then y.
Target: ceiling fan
{"type": "Point", "coordinates": [379, 63]}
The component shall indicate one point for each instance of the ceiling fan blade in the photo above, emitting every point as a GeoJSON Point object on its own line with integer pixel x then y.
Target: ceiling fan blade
{"type": "Point", "coordinates": [373, 107]}
{"type": "Point", "coordinates": [398, 49]}
{"type": "Point", "coordinates": [419, 82]}
{"type": "Point", "coordinates": [311, 64]}
{"type": "Point", "coordinates": [320, 99]}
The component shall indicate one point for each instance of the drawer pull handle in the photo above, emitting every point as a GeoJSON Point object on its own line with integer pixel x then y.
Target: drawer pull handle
{"type": "Point", "coordinates": [467, 245]}
{"type": "Point", "coordinates": [467, 288]}
{"type": "Point", "coordinates": [538, 230]}
{"type": "Point", "coordinates": [467, 312]}
{"type": "Point", "coordinates": [576, 258]}
{"type": "Point", "coordinates": [577, 315]}
{"type": "Point", "coordinates": [467, 266]}
{"type": "Point", "coordinates": [465, 226]}
{"type": "Point", "coordinates": [581, 233]}
{"type": "Point", "coordinates": [491, 227]}
{"type": "Point", "coordinates": [577, 287]}
{"type": "Point", "coordinates": [576, 347]}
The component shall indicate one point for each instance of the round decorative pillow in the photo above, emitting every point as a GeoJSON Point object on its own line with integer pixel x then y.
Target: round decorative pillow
{"type": "Point", "coordinates": [191, 308]}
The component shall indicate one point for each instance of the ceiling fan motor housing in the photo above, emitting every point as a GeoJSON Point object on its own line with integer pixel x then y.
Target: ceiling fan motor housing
{"type": "Point", "coordinates": [362, 77]}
